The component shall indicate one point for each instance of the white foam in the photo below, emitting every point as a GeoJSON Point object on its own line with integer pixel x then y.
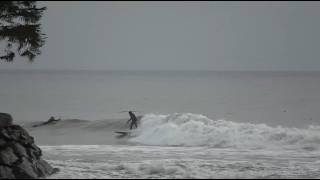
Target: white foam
{"type": "Point", "coordinates": [154, 162]}
{"type": "Point", "coordinates": [187, 129]}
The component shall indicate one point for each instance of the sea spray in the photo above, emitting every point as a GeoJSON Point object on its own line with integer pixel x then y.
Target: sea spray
{"type": "Point", "coordinates": [187, 129]}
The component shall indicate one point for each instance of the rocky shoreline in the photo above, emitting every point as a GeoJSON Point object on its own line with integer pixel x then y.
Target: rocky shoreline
{"type": "Point", "coordinates": [19, 156]}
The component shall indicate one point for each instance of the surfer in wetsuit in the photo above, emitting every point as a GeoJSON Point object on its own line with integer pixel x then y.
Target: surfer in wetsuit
{"type": "Point", "coordinates": [133, 120]}
{"type": "Point", "coordinates": [52, 120]}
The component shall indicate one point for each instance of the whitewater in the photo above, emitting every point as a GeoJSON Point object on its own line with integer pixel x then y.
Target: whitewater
{"type": "Point", "coordinates": [178, 145]}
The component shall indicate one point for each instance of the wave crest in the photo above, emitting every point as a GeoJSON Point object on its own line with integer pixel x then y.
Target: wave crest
{"type": "Point", "coordinates": [187, 129]}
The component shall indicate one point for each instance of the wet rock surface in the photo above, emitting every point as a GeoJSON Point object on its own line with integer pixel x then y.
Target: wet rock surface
{"type": "Point", "coordinates": [19, 156]}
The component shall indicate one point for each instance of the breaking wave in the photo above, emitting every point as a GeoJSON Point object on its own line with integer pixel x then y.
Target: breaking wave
{"type": "Point", "coordinates": [187, 129]}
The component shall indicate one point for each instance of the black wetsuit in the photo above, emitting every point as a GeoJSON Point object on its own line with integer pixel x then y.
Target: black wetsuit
{"type": "Point", "coordinates": [133, 119]}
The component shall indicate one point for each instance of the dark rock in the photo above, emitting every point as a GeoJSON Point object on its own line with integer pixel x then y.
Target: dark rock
{"type": "Point", "coordinates": [6, 173]}
{"type": "Point", "coordinates": [36, 150]}
{"type": "Point", "coordinates": [43, 168]}
{"type": "Point", "coordinates": [26, 140]}
{"type": "Point", "coordinates": [20, 157]}
{"type": "Point", "coordinates": [7, 156]}
{"type": "Point", "coordinates": [55, 170]}
{"type": "Point", "coordinates": [5, 120]}
{"type": "Point", "coordinates": [34, 154]}
{"type": "Point", "coordinates": [19, 129]}
{"type": "Point", "coordinates": [24, 170]}
{"type": "Point", "coordinates": [19, 134]}
{"type": "Point", "coordinates": [4, 133]}
{"type": "Point", "coordinates": [3, 143]}
{"type": "Point", "coordinates": [14, 134]}
{"type": "Point", "coordinates": [19, 150]}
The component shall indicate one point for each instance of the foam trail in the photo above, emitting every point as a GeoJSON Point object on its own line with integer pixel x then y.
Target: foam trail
{"type": "Point", "coordinates": [187, 129]}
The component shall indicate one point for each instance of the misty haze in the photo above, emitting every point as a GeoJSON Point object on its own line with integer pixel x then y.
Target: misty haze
{"type": "Point", "coordinates": [163, 89]}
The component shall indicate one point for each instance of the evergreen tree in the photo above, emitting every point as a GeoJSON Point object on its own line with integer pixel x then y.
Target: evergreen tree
{"type": "Point", "coordinates": [20, 29]}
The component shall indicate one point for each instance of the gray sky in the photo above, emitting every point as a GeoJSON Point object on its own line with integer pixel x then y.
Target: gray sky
{"type": "Point", "coordinates": [179, 35]}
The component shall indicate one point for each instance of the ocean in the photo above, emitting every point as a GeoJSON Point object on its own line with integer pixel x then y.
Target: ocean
{"type": "Point", "coordinates": [195, 124]}
{"type": "Point", "coordinates": [275, 98]}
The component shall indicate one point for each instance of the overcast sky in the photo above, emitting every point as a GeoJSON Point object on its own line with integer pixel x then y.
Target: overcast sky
{"type": "Point", "coordinates": [179, 36]}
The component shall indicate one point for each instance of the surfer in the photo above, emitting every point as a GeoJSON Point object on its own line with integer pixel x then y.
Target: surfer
{"type": "Point", "coordinates": [52, 120]}
{"type": "Point", "coordinates": [133, 120]}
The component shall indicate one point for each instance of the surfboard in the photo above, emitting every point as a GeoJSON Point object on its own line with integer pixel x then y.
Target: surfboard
{"type": "Point", "coordinates": [122, 133]}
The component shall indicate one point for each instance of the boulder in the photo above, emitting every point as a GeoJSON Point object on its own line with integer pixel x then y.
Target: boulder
{"type": "Point", "coordinates": [19, 150]}
{"type": "Point", "coordinates": [19, 156]}
{"type": "Point", "coordinates": [6, 173]}
{"type": "Point", "coordinates": [5, 120]}
{"type": "Point", "coordinates": [3, 143]}
{"type": "Point", "coordinates": [43, 168]}
{"type": "Point", "coordinates": [4, 134]}
{"type": "Point", "coordinates": [24, 170]}
{"type": "Point", "coordinates": [19, 134]}
{"type": "Point", "coordinates": [34, 154]}
{"type": "Point", "coordinates": [7, 157]}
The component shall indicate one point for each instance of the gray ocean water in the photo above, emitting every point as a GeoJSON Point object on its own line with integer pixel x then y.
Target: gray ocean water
{"type": "Point", "coordinates": [275, 98]}
{"type": "Point", "coordinates": [194, 124]}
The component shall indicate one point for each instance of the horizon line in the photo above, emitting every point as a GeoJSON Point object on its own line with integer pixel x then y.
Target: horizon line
{"type": "Point", "coordinates": [157, 70]}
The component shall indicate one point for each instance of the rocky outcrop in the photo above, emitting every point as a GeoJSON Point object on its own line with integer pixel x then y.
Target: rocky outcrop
{"type": "Point", "coordinates": [5, 120]}
{"type": "Point", "coordinates": [19, 156]}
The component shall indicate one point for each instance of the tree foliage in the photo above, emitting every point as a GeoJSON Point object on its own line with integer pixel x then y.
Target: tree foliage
{"type": "Point", "coordinates": [20, 29]}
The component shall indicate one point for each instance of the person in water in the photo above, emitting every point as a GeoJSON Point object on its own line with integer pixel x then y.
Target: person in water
{"type": "Point", "coordinates": [133, 120]}
{"type": "Point", "coordinates": [52, 120]}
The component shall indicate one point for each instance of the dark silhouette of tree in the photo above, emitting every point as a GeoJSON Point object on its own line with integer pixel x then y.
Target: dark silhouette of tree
{"type": "Point", "coordinates": [20, 29]}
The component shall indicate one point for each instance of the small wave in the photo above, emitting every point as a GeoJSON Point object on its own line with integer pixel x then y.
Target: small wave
{"type": "Point", "coordinates": [187, 129]}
